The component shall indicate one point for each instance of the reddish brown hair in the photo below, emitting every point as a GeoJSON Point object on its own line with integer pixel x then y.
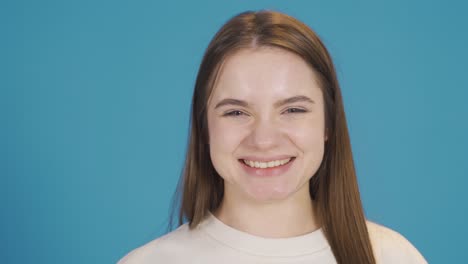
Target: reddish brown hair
{"type": "Point", "coordinates": [334, 186]}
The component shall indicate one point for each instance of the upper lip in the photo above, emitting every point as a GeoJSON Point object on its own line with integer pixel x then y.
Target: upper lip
{"type": "Point", "coordinates": [265, 158]}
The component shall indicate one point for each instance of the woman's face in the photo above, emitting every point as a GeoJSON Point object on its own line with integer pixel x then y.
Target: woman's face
{"type": "Point", "coordinates": [266, 125]}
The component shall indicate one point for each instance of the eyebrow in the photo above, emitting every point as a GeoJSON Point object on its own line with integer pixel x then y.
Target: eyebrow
{"type": "Point", "coordinates": [294, 99]}
{"type": "Point", "coordinates": [231, 101]}
{"type": "Point", "coordinates": [291, 100]}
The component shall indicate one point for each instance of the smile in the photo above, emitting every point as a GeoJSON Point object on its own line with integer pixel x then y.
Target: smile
{"type": "Point", "coordinates": [267, 164]}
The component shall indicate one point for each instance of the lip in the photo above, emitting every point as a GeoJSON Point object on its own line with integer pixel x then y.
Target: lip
{"type": "Point", "coordinates": [266, 159]}
{"type": "Point", "coordinates": [267, 172]}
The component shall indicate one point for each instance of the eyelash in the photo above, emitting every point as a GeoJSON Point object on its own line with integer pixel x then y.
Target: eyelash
{"type": "Point", "coordinates": [296, 110]}
{"type": "Point", "coordinates": [293, 110]}
{"type": "Point", "coordinates": [233, 113]}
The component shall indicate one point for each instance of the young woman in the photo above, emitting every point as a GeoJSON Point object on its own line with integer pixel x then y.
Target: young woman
{"type": "Point", "coordinates": [269, 174]}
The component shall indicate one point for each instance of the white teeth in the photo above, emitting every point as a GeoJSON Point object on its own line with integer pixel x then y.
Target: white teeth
{"type": "Point", "coordinates": [269, 164]}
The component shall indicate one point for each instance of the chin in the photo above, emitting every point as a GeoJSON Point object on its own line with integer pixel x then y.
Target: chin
{"type": "Point", "coordinates": [265, 195]}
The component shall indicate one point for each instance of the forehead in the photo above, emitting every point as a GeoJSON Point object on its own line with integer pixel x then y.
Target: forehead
{"type": "Point", "coordinates": [270, 72]}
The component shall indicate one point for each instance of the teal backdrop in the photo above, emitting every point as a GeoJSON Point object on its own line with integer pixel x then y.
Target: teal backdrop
{"type": "Point", "coordinates": [95, 99]}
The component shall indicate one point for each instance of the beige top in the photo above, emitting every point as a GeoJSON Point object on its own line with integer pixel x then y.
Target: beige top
{"type": "Point", "coordinates": [215, 242]}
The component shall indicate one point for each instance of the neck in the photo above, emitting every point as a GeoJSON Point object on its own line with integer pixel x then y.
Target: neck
{"type": "Point", "coordinates": [291, 217]}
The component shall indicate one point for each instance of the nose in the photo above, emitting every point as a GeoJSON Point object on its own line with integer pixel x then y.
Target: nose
{"type": "Point", "coordinates": [264, 135]}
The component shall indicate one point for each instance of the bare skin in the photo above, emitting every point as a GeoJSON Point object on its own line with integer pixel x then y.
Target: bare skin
{"type": "Point", "coordinates": [277, 114]}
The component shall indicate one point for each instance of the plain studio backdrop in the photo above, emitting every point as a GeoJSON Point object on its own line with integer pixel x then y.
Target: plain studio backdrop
{"type": "Point", "coordinates": [94, 110]}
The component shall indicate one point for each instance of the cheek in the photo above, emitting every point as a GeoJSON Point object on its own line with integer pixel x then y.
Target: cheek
{"type": "Point", "coordinates": [309, 137]}
{"type": "Point", "coordinates": [224, 138]}
{"type": "Point", "coordinates": [310, 141]}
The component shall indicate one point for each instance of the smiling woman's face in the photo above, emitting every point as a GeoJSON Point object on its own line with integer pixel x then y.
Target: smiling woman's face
{"type": "Point", "coordinates": [266, 125]}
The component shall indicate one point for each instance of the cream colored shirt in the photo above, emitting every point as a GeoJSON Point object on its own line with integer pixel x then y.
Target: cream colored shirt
{"type": "Point", "coordinates": [215, 242]}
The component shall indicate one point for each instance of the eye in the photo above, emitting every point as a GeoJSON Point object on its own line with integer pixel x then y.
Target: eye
{"type": "Point", "coordinates": [294, 110]}
{"type": "Point", "coordinates": [234, 113]}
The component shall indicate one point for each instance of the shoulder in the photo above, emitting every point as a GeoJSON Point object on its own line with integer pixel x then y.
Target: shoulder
{"type": "Point", "coordinates": [166, 248]}
{"type": "Point", "coordinates": [392, 247]}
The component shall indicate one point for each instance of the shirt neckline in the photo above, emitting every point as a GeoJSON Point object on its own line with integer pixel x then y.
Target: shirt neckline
{"type": "Point", "coordinates": [256, 245]}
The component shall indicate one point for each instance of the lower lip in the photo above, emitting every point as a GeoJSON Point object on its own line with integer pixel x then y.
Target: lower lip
{"type": "Point", "coordinates": [267, 172]}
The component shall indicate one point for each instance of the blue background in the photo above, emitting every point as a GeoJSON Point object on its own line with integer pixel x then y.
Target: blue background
{"type": "Point", "coordinates": [95, 99]}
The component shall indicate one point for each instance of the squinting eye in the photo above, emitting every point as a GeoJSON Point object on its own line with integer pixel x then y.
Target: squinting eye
{"type": "Point", "coordinates": [234, 113]}
{"type": "Point", "coordinates": [295, 110]}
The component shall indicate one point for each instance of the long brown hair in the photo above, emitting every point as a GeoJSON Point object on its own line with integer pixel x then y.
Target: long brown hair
{"type": "Point", "coordinates": [334, 186]}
